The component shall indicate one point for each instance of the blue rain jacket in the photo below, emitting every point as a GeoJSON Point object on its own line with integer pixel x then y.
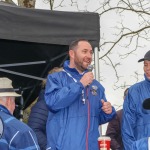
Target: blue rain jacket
{"type": "Point", "coordinates": [17, 134]}
{"type": "Point", "coordinates": [74, 124]}
{"type": "Point", "coordinates": [136, 120]}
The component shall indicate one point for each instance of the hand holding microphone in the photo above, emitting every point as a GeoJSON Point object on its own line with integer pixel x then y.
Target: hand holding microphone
{"type": "Point", "coordinates": [88, 77]}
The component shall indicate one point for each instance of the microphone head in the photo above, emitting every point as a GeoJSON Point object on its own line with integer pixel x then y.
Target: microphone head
{"type": "Point", "coordinates": [90, 68]}
{"type": "Point", "coordinates": [146, 103]}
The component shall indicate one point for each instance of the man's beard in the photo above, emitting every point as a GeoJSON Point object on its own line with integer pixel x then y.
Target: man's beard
{"type": "Point", "coordinates": [80, 67]}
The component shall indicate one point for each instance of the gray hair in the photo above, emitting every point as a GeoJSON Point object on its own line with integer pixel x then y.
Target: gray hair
{"type": "Point", "coordinates": [4, 98]}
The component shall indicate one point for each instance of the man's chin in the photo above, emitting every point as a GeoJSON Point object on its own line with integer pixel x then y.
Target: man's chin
{"type": "Point", "coordinates": [86, 65]}
{"type": "Point", "coordinates": [83, 68]}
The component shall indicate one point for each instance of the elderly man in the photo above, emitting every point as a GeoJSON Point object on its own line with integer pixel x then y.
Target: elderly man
{"type": "Point", "coordinates": [16, 134]}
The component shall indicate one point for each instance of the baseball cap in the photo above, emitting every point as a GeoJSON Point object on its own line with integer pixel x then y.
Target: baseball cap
{"type": "Point", "coordinates": [146, 57]}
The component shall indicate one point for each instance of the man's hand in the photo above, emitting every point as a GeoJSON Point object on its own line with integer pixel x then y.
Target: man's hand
{"type": "Point", "coordinates": [87, 78]}
{"type": "Point", "coordinates": [106, 107]}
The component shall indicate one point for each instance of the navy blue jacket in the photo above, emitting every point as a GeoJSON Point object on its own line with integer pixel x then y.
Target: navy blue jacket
{"type": "Point", "coordinates": [16, 134]}
{"type": "Point", "coordinates": [37, 120]}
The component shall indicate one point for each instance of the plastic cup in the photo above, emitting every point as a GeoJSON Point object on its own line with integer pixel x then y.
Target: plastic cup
{"type": "Point", "coordinates": [104, 143]}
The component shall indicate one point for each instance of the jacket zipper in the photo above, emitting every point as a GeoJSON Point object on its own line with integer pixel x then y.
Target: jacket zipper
{"type": "Point", "coordinates": [88, 126]}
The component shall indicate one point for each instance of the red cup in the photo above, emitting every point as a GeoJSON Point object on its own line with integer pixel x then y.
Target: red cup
{"type": "Point", "coordinates": [104, 143]}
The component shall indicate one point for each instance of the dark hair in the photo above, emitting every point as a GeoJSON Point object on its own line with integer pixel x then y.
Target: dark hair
{"type": "Point", "coordinates": [74, 44]}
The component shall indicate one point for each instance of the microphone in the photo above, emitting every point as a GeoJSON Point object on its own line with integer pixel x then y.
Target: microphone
{"type": "Point", "coordinates": [90, 68]}
{"type": "Point", "coordinates": [146, 103]}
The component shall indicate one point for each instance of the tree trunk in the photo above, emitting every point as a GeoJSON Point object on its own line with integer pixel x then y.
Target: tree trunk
{"type": "Point", "coordinates": [51, 2]}
{"type": "Point", "coordinates": [27, 3]}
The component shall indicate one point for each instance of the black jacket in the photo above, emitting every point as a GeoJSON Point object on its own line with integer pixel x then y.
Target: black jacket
{"type": "Point", "coordinates": [114, 131]}
{"type": "Point", "coordinates": [37, 120]}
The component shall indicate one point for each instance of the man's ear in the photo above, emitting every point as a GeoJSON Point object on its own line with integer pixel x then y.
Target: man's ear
{"type": "Point", "coordinates": [8, 103]}
{"type": "Point", "coordinates": [71, 53]}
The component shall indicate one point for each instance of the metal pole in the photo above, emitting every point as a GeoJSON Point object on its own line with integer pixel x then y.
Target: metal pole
{"type": "Point", "coordinates": [97, 73]}
{"type": "Point", "coordinates": [21, 74]}
{"type": "Point", "coordinates": [22, 64]}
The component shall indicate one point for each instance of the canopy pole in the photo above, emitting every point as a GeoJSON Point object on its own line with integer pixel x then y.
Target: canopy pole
{"type": "Point", "coordinates": [21, 74]}
{"type": "Point", "coordinates": [22, 64]}
{"type": "Point", "coordinates": [96, 62]}
{"type": "Point", "coordinates": [97, 74]}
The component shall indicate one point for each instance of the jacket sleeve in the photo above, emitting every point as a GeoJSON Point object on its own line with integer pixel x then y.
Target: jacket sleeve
{"type": "Point", "coordinates": [103, 117]}
{"type": "Point", "coordinates": [60, 93]}
{"type": "Point", "coordinates": [141, 144]}
{"type": "Point", "coordinates": [114, 132]}
{"type": "Point", "coordinates": [37, 121]}
{"type": "Point", "coordinates": [129, 124]}
{"type": "Point", "coordinates": [24, 140]}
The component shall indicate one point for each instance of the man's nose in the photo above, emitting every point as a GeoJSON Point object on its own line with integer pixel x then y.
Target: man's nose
{"type": "Point", "coordinates": [89, 55]}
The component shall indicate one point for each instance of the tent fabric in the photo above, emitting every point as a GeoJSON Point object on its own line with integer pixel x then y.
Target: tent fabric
{"type": "Point", "coordinates": [34, 35]}
{"type": "Point", "coordinates": [45, 26]}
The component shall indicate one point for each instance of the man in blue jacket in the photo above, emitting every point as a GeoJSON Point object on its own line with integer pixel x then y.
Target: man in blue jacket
{"type": "Point", "coordinates": [16, 135]}
{"type": "Point", "coordinates": [78, 102]}
{"type": "Point", "coordinates": [136, 119]}
{"type": "Point", "coordinates": [39, 114]}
